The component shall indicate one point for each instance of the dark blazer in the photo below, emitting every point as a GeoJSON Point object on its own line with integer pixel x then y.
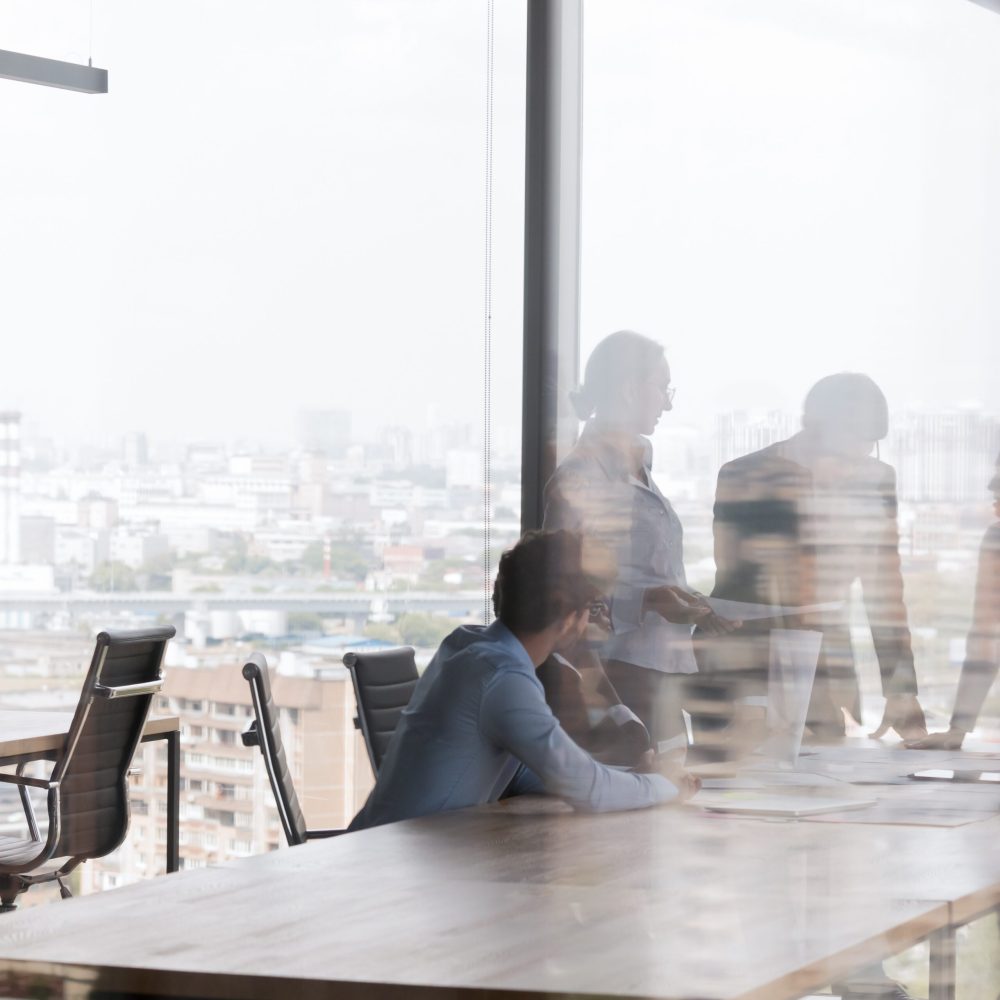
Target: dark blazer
{"type": "Point", "coordinates": [780, 540]}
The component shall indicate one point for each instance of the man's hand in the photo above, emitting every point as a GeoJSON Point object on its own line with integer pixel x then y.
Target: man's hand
{"type": "Point", "coordinates": [904, 714]}
{"type": "Point", "coordinates": [671, 769]}
{"type": "Point", "coordinates": [686, 783]}
{"type": "Point", "coordinates": [950, 740]}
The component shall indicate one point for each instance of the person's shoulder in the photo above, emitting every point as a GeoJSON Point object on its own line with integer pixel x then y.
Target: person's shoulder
{"type": "Point", "coordinates": [883, 470]}
{"type": "Point", "coordinates": [469, 644]}
{"type": "Point", "coordinates": [580, 465]}
{"type": "Point", "coordinates": [761, 473]}
{"type": "Point", "coordinates": [505, 671]}
{"type": "Point", "coordinates": [767, 458]}
{"type": "Point", "coordinates": [878, 475]}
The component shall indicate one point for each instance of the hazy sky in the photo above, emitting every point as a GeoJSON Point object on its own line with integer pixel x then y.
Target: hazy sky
{"type": "Point", "coordinates": [280, 206]}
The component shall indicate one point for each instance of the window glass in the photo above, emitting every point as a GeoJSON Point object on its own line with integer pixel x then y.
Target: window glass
{"type": "Point", "coordinates": [244, 382]}
{"type": "Point", "coordinates": [783, 193]}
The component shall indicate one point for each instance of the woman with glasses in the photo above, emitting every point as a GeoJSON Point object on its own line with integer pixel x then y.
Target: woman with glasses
{"type": "Point", "coordinates": [605, 488]}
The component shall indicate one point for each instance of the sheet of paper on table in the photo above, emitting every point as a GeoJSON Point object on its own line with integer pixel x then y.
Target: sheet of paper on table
{"type": "Point", "coordinates": [742, 611]}
{"type": "Point", "coordinates": [767, 802]}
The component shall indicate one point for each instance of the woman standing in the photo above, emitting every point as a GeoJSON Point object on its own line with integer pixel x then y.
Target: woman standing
{"type": "Point", "coordinates": [605, 489]}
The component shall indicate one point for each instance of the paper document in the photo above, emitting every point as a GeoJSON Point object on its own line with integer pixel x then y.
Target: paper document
{"type": "Point", "coordinates": [741, 611]}
{"type": "Point", "coordinates": [767, 803]}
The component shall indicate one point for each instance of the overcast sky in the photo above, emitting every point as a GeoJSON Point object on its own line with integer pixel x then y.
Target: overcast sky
{"type": "Point", "coordinates": [280, 206]}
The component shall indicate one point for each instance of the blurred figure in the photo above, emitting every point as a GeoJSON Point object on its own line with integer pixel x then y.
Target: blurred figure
{"type": "Point", "coordinates": [982, 655]}
{"type": "Point", "coordinates": [797, 523]}
{"type": "Point", "coordinates": [605, 489]}
{"type": "Point", "coordinates": [586, 705]}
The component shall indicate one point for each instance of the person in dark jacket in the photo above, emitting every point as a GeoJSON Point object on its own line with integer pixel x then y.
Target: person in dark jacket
{"type": "Point", "coordinates": [796, 524]}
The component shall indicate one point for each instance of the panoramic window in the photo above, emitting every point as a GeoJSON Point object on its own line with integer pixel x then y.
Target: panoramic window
{"type": "Point", "coordinates": [786, 193]}
{"type": "Point", "coordinates": [246, 299]}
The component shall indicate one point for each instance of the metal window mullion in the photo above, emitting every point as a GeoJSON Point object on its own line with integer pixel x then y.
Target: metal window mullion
{"type": "Point", "coordinates": [551, 243]}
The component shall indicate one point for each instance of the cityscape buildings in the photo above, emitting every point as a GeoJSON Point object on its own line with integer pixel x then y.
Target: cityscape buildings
{"type": "Point", "coordinates": [336, 544]}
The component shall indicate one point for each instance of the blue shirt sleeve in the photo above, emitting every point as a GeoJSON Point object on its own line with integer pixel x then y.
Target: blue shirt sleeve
{"type": "Point", "coordinates": [515, 717]}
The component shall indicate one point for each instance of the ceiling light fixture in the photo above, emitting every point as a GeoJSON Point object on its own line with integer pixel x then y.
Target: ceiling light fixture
{"type": "Point", "coordinates": [53, 73]}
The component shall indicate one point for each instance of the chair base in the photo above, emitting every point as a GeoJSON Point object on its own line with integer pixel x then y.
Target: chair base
{"type": "Point", "coordinates": [11, 886]}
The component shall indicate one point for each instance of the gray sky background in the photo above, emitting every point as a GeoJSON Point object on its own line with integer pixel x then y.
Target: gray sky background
{"type": "Point", "coordinates": [280, 206]}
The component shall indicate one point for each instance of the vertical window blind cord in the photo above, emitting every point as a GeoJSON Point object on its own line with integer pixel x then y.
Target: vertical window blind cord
{"type": "Point", "coordinates": [488, 327]}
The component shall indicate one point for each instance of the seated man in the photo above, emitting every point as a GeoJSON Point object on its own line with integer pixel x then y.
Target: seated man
{"type": "Point", "coordinates": [479, 710]}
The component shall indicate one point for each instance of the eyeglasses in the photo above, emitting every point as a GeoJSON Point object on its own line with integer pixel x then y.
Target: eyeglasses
{"type": "Point", "coordinates": [598, 610]}
{"type": "Point", "coordinates": [668, 391]}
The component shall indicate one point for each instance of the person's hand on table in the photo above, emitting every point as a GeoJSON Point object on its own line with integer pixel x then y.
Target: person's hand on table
{"type": "Point", "coordinates": [904, 714]}
{"type": "Point", "coordinates": [683, 608]}
{"type": "Point", "coordinates": [669, 766]}
{"type": "Point", "coordinates": [950, 740]}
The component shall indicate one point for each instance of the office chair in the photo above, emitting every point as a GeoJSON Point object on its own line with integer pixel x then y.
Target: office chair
{"type": "Point", "coordinates": [383, 685]}
{"type": "Point", "coordinates": [265, 733]}
{"type": "Point", "coordinates": [87, 790]}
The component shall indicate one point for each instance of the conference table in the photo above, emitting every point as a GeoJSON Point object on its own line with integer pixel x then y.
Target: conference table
{"type": "Point", "coordinates": [27, 736]}
{"type": "Point", "coordinates": [526, 898]}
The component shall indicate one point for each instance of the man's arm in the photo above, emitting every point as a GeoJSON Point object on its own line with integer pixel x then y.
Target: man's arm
{"type": "Point", "coordinates": [882, 586]}
{"type": "Point", "coordinates": [982, 655]}
{"type": "Point", "coordinates": [515, 717]}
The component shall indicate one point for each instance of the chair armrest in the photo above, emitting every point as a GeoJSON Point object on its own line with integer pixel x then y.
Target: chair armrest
{"type": "Point", "coordinates": [322, 834]}
{"type": "Point", "coordinates": [127, 690]}
{"type": "Point", "coordinates": [20, 779]}
{"type": "Point", "coordinates": [250, 736]}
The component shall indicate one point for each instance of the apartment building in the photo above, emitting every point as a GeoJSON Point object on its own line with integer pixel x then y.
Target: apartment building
{"type": "Point", "coordinates": [227, 809]}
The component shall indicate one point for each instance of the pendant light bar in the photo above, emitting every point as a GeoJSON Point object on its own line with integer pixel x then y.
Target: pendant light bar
{"type": "Point", "coordinates": [53, 73]}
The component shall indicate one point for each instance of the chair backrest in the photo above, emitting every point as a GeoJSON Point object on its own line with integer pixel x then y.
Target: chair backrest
{"type": "Point", "coordinates": [92, 770]}
{"type": "Point", "coordinates": [383, 685]}
{"type": "Point", "coordinates": [267, 735]}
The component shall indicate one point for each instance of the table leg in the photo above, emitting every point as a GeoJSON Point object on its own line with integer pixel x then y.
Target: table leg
{"type": "Point", "coordinates": [942, 964]}
{"type": "Point", "coordinates": [173, 800]}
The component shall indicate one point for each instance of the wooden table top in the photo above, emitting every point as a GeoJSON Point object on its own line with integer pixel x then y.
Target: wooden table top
{"type": "Point", "coordinates": [24, 732]}
{"type": "Point", "coordinates": [524, 898]}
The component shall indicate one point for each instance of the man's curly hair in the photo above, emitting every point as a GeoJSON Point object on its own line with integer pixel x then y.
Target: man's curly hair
{"type": "Point", "coordinates": [544, 577]}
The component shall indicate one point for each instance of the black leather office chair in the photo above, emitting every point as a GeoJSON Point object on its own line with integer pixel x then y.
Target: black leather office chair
{"type": "Point", "coordinates": [87, 790]}
{"type": "Point", "coordinates": [383, 685]}
{"type": "Point", "coordinates": [265, 733]}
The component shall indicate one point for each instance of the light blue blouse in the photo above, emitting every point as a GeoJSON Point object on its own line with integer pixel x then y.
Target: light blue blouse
{"type": "Point", "coordinates": [593, 491]}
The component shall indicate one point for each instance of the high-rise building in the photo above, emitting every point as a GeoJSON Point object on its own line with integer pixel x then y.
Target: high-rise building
{"type": "Point", "coordinates": [325, 431]}
{"type": "Point", "coordinates": [38, 539]}
{"type": "Point", "coordinates": [944, 457]}
{"type": "Point", "coordinates": [135, 450]}
{"type": "Point", "coordinates": [741, 432]}
{"type": "Point", "coordinates": [99, 513]}
{"type": "Point", "coordinates": [10, 486]}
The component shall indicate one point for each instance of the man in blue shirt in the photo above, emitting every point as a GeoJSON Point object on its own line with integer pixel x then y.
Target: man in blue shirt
{"type": "Point", "coordinates": [479, 711]}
